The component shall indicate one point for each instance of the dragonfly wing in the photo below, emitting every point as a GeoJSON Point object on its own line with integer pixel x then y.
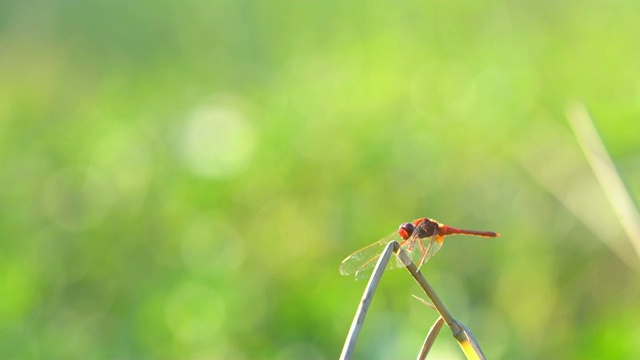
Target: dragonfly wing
{"type": "Point", "coordinates": [420, 250]}
{"type": "Point", "coordinates": [430, 246]}
{"type": "Point", "coordinates": [365, 259]}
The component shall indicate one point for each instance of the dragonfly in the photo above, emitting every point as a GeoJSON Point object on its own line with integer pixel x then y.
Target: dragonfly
{"type": "Point", "coordinates": [421, 239]}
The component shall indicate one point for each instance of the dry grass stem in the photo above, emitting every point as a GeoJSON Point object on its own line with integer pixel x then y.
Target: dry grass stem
{"type": "Point", "coordinates": [367, 298]}
{"type": "Point", "coordinates": [606, 173]}
{"type": "Point", "coordinates": [431, 338]}
{"type": "Point", "coordinates": [464, 337]}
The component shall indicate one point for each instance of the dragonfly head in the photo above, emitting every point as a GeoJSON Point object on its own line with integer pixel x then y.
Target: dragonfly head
{"type": "Point", "coordinates": [405, 230]}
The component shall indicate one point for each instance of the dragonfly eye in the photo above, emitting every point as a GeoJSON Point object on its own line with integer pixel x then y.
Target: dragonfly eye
{"type": "Point", "coordinates": [405, 230]}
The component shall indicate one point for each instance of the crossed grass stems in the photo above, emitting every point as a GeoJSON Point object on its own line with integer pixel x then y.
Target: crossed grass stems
{"type": "Point", "coordinates": [460, 332]}
{"type": "Point", "coordinates": [615, 190]}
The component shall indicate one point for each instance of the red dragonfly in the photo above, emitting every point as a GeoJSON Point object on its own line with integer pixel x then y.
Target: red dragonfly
{"type": "Point", "coordinates": [420, 239]}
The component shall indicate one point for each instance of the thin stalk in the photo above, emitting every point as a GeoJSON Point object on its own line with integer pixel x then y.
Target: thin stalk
{"type": "Point", "coordinates": [606, 173]}
{"type": "Point", "coordinates": [367, 298]}
{"type": "Point", "coordinates": [431, 338]}
{"type": "Point", "coordinates": [461, 333]}
{"type": "Point", "coordinates": [465, 338]}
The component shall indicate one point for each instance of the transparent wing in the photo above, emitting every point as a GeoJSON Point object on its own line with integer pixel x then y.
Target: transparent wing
{"type": "Point", "coordinates": [431, 245]}
{"type": "Point", "coordinates": [366, 258]}
{"type": "Point", "coordinates": [420, 250]}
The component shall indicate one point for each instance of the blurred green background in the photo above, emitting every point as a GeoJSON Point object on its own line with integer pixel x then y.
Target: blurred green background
{"type": "Point", "coordinates": [180, 180]}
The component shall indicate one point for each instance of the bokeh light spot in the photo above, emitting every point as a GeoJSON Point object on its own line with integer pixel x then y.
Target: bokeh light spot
{"type": "Point", "coordinates": [216, 140]}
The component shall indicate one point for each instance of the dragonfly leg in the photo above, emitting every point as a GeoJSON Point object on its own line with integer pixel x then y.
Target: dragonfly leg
{"type": "Point", "coordinates": [424, 253]}
{"type": "Point", "coordinates": [412, 244]}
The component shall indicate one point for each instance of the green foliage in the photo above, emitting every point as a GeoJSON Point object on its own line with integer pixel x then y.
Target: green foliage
{"type": "Point", "coordinates": [182, 179]}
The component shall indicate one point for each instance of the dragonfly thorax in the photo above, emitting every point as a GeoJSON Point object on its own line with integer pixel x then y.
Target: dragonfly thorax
{"type": "Point", "coordinates": [425, 228]}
